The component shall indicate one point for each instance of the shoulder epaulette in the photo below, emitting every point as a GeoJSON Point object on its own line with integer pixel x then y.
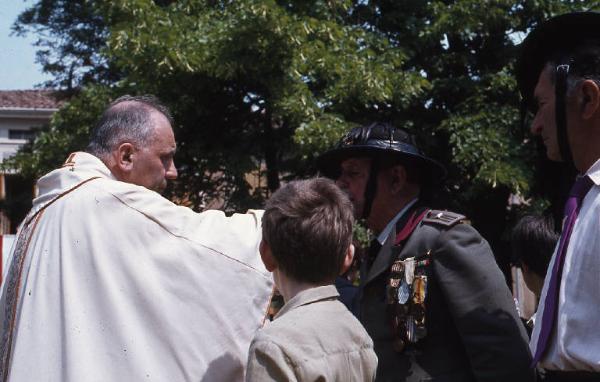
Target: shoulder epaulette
{"type": "Point", "coordinates": [444, 218]}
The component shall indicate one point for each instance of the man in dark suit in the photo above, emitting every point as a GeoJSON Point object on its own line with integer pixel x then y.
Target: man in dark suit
{"type": "Point", "coordinates": [431, 295]}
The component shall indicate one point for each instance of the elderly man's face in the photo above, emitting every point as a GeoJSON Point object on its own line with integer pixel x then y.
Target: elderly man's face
{"type": "Point", "coordinates": [154, 165]}
{"type": "Point", "coordinates": [544, 123]}
{"type": "Point", "coordinates": [353, 178]}
{"type": "Point", "coordinates": [392, 190]}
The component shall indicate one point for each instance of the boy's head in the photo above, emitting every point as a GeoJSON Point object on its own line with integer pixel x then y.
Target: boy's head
{"type": "Point", "coordinates": [533, 240]}
{"type": "Point", "coordinates": [307, 231]}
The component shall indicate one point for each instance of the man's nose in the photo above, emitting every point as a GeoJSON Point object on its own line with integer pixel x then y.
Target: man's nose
{"type": "Point", "coordinates": [171, 173]}
{"type": "Point", "coordinates": [536, 126]}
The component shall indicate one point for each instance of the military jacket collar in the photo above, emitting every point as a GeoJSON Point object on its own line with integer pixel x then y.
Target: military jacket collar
{"type": "Point", "coordinates": [386, 254]}
{"type": "Point", "coordinates": [384, 235]}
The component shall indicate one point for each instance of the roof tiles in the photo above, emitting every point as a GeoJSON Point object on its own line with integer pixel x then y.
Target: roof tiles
{"type": "Point", "coordinates": [29, 99]}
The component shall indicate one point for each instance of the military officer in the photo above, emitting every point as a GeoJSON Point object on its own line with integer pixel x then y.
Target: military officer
{"type": "Point", "coordinates": [431, 295]}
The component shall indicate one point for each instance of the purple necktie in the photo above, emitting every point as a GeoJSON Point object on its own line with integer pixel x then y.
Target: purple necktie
{"type": "Point", "coordinates": [578, 192]}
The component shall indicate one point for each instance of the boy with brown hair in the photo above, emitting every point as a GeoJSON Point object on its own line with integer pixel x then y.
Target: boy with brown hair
{"type": "Point", "coordinates": [307, 243]}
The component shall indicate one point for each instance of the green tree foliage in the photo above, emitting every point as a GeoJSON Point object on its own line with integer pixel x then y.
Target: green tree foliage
{"type": "Point", "coordinates": [265, 86]}
{"type": "Point", "coordinates": [469, 117]}
{"type": "Point", "coordinates": [242, 77]}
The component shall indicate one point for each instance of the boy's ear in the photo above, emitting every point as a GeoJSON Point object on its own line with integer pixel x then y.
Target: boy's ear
{"type": "Point", "coordinates": [348, 259]}
{"type": "Point", "coordinates": [266, 256]}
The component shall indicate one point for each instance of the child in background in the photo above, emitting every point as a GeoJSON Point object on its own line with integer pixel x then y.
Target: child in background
{"type": "Point", "coordinates": [533, 240]}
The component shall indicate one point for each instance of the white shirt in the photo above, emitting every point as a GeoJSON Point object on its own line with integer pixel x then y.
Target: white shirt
{"type": "Point", "coordinates": [382, 237]}
{"type": "Point", "coordinates": [575, 338]}
{"type": "Point", "coordinates": [119, 284]}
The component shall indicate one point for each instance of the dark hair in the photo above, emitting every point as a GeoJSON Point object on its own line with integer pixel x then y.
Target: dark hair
{"type": "Point", "coordinates": [128, 118]}
{"type": "Point", "coordinates": [533, 240]}
{"type": "Point", "coordinates": [308, 225]}
{"type": "Point", "coordinates": [583, 61]}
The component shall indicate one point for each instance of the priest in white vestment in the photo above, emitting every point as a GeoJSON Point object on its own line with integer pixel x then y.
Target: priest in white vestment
{"type": "Point", "coordinates": [110, 281]}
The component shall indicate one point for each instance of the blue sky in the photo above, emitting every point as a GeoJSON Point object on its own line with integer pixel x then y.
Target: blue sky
{"type": "Point", "coordinates": [17, 54]}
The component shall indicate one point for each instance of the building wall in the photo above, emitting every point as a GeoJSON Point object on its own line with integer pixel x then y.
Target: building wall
{"type": "Point", "coordinates": [17, 126]}
{"type": "Point", "coordinates": [9, 144]}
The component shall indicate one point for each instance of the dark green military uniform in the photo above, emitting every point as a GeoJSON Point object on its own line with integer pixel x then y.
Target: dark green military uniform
{"type": "Point", "coordinates": [473, 330]}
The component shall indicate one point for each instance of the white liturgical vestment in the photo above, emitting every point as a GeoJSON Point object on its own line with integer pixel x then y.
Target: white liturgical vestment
{"type": "Point", "coordinates": [110, 281]}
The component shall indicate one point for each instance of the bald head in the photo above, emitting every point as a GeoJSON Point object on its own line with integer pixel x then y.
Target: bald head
{"type": "Point", "coordinates": [127, 119]}
{"type": "Point", "coordinates": [134, 138]}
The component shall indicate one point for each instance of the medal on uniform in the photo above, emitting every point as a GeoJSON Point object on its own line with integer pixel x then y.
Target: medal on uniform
{"type": "Point", "coordinates": [409, 270]}
{"type": "Point", "coordinates": [406, 295]}
{"type": "Point", "coordinates": [418, 305]}
{"type": "Point", "coordinates": [410, 329]}
{"type": "Point", "coordinates": [419, 290]}
{"type": "Point", "coordinates": [396, 278]}
{"type": "Point", "coordinates": [403, 292]}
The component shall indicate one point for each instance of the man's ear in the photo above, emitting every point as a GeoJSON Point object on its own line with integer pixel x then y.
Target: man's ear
{"type": "Point", "coordinates": [590, 99]}
{"type": "Point", "coordinates": [348, 259]}
{"type": "Point", "coordinates": [125, 154]}
{"type": "Point", "coordinates": [266, 256]}
{"type": "Point", "coordinates": [398, 178]}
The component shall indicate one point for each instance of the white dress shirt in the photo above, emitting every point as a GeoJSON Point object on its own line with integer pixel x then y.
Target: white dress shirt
{"type": "Point", "coordinates": [575, 339]}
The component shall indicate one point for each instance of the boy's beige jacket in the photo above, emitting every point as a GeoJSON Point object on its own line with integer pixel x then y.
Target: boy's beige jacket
{"type": "Point", "coordinates": [313, 338]}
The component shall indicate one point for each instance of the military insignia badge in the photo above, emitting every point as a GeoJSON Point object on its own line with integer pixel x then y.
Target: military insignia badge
{"type": "Point", "coordinates": [406, 296]}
